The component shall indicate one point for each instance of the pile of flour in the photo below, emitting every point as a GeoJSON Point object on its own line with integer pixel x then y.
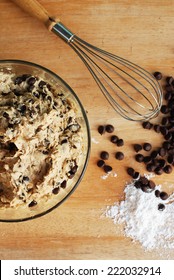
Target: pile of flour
{"type": "Point", "coordinates": [143, 221]}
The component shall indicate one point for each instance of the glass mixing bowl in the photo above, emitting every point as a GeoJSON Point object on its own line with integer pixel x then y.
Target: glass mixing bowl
{"type": "Point", "coordinates": [21, 213]}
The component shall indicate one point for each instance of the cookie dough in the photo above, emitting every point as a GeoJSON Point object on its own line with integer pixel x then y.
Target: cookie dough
{"type": "Point", "coordinates": [41, 140]}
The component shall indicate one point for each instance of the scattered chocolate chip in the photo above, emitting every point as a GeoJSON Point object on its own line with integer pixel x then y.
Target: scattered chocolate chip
{"type": "Point", "coordinates": [109, 128]}
{"type": "Point", "coordinates": [107, 168]}
{"type": "Point", "coordinates": [137, 147]}
{"type": "Point", "coordinates": [138, 184]}
{"type": "Point", "coordinates": [169, 80]}
{"type": "Point", "coordinates": [136, 175]}
{"type": "Point", "coordinates": [56, 190]}
{"type": "Point", "coordinates": [163, 195]}
{"type": "Point", "coordinates": [147, 146]}
{"type": "Point", "coordinates": [144, 180]}
{"type": "Point", "coordinates": [101, 129]}
{"type": "Point", "coordinates": [100, 163]}
{"type": "Point", "coordinates": [167, 169]}
{"type": "Point", "coordinates": [32, 203]}
{"type": "Point", "coordinates": [139, 157]}
{"type": "Point", "coordinates": [157, 193]}
{"type": "Point", "coordinates": [119, 155]}
{"type": "Point", "coordinates": [130, 171]}
{"type": "Point", "coordinates": [158, 75]}
{"type": "Point", "coordinates": [157, 128]}
{"type": "Point", "coordinates": [162, 152]}
{"type": "Point", "coordinates": [147, 159]}
{"type": "Point", "coordinates": [104, 155]}
{"type": "Point", "coordinates": [151, 184]}
{"type": "Point", "coordinates": [120, 142]}
{"type": "Point", "coordinates": [146, 189]}
{"type": "Point", "coordinates": [63, 184]}
{"type": "Point", "coordinates": [161, 207]}
{"type": "Point", "coordinates": [158, 170]}
{"type": "Point", "coordinates": [164, 109]}
{"type": "Point", "coordinates": [114, 138]}
{"type": "Point", "coordinates": [147, 125]}
{"type": "Point", "coordinates": [153, 154]}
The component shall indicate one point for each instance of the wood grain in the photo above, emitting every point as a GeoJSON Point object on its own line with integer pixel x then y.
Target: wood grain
{"type": "Point", "coordinates": [138, 30]}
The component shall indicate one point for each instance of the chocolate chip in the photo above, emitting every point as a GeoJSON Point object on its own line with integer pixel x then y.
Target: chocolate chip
{"type": "Point", "coordinates": [56, 190]}
{"type": "Point", "coordinates": [120, 142]}
{"type": "Point", "coordinates": [164, 109]}
{"type": "Point", "coordinates": [119, 155]}
{"type": "Point", "coordinates": [32, 203]}
{"type": "Point", "coordinates": [101, 129]}
{"type": "Point", "coordinates": [17, 92]}
{"type": "Point", "coordinates": [167, 169]}
{"type": "Point", "coordinates": [136, 175]}
{"type": "Point", "coordinates": [146, 189]}
{"type": "Point", "coordinates": [151, 184]}
{"type": "Point", "coordinates": [42, 84]}
{"type": "Point", "coordinates": [163, 195]}
{"type": "Point", "coordinates": [139, 157]}
{"type": "Point", "coordinates": [158, 75]}
{"type": "Point", "coordinates": [36, 94]}
{"type": "Point", "coordinates": [147, 125]}
{"type": "Point", "coordinates": [26, 178]}
{"type": "Point", "coordinates": [157, 193]}
{"type": "Point", "coordinates": [64, 141]}
{"type": "Point", "coordinates": [169, 80]}
{"type": "Point", "coordinates": [31, 81]}
{"type": "Point", "coordinates": [107, 168]}
{"type": "Point", "coordinates": [144, 180]}
{"type": "Point", "coordinates": [158, 170]}
{"type": "Point", "coordinates": [22, 109]}
{"type": "Point", "coordinates": [162, 152]}
{"type": "Point", "coordinates": [114, 138]}
{"type": "Point", "coordinates": [161, 207]}
{"type": "Point", "coordinates": [63, 184]}
{"type": "Point", "coordinates": [18, 80]}
{"type": "Point", "coordinates": [74, 169]}
{"type": "Point", "coordinates": [138, 184]}
{"type": "Point", "coordinates": [109, 128]}
{"type": "Point", "coordinates": [147, 159]}
{"type": "Point", "coordinates": [100, 163]}
{"type": "Point", "coordinates": [130, 171]}
{"type": "Point", "coordinates": [157, 128]}
{"type": "Point", "coordinates": [164, 130]}
{"type": "Point", "coordinates": [12, 147]}
{"type": "Point", "coordinates": [165, 121]}
{"type": "Point", "coordinates": [147, 146]}
{"type": "Point", "coordinates": [104, 155]}
{"type": "Point", "coordinates": [154, 154]}
{"type": "Point", "coordinates": [5, 115]}
{"type": "Point", "coordinates": [137, 147]}
{"type": "Point", "coordinates": [170, 159]}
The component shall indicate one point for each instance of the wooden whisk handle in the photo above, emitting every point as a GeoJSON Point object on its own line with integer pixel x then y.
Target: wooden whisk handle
{"type": "Point", "coordinates": [35, 9]}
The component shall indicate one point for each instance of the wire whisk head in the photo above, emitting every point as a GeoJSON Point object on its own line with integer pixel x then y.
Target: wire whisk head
{"type": "Point", "coordinates": [132, 91]}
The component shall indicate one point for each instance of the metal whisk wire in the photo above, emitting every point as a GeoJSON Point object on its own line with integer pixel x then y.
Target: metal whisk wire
{"type": "Point", "coordinates": [92, 55]}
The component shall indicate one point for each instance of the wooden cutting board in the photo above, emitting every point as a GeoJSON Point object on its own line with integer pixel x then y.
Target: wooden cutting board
{"type": "Point", "coordinates": [137, 30]}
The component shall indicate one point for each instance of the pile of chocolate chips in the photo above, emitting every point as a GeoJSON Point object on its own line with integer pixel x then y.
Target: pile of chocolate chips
{"type": "Point", "coordinates": [161, 159]}
{"type": "Point", "coordinates": [104, 155]}
{"type": "Point", "coordinates": [148, 186]}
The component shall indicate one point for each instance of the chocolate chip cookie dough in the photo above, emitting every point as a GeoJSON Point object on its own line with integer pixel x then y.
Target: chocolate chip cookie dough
{"type": "Point", "coordinates": [41, 142]}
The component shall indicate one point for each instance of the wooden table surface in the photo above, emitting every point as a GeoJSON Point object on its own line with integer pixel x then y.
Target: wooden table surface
{"type": "Point", "coordinates": [141, 31]}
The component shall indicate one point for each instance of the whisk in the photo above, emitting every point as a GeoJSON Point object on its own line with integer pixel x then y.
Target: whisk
{"type": "Point", "coordinates": [132, 91]}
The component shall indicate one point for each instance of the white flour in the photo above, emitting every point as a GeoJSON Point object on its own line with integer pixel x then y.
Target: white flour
{"type": "Point", "coordinates": [143, 221]}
